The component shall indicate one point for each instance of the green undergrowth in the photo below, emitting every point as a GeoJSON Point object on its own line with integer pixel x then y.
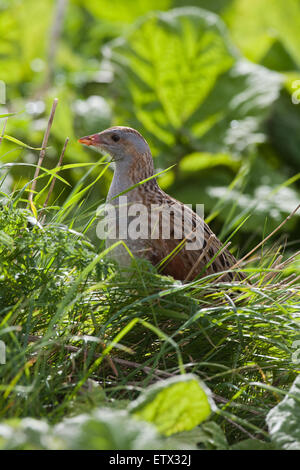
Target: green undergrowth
{"type": "Point", "coordinates": [80, 336]}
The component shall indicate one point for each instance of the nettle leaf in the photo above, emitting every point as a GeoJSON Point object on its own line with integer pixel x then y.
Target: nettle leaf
{"type": "Point", "coordinates": [284, 420]}
{"type": "Point", "coordinates": [178, 79]}
{"type": "Point", "coordinates": [174, 405]}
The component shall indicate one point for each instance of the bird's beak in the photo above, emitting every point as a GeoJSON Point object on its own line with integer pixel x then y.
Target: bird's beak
{"type": "Point", "coordinates": [93, 139]}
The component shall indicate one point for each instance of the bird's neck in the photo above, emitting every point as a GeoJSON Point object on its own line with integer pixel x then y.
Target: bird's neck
{"type": "Point", "coordinates": [129, 172]}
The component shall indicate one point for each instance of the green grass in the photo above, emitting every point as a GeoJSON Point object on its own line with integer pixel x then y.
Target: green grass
{"type": "Point", "coordinates": [70, 319]}
{"type": "Point", "coordinates": [81, 335]}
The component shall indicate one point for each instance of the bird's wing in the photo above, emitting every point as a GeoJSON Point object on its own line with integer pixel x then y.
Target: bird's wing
{"type": "Point", "coordinates": [185, 257]}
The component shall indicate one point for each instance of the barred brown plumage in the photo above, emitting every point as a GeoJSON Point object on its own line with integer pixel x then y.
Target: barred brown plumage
{"type": "Point", "coordinates": [134, 164]}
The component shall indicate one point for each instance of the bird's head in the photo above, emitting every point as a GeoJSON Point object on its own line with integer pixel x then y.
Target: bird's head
{"type": "Point", "coordinates": [121, 143]}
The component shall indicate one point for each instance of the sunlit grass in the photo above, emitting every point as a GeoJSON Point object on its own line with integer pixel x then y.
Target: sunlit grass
{"type": "Point", "coordinates": [69, 316]}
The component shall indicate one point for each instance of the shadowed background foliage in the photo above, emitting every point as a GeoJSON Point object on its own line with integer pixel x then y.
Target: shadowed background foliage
{"type": "Point", "coordinates": [208, 83]}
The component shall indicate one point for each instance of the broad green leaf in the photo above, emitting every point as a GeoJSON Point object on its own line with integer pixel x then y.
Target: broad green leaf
{"type": "Point", "coordinates": [178, 79]}
{"type": "Point", "coordinates": [200, 160]}
{"type": "Point", "coordinates": [118, 11]}
{"type": "Point", "coordinates": [24, 37]}
{"type": "Point", "coordinates": [174, 405]}
{"type": "Point", "coordinates": [284, 420]}
{"type": "Point", "coordinates": [255, 32]}
{"type": "Point", "coordinates": [247, 24]}
{"type": "Point", "coordinates": [75, 165]}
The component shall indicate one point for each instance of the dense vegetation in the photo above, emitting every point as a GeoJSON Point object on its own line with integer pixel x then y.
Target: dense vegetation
{"type": "Point", "coordinates": [90, 353]}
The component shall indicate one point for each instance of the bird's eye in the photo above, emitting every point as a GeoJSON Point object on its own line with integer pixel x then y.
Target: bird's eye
{"type": "Point", "coordinates": [115, 137]}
